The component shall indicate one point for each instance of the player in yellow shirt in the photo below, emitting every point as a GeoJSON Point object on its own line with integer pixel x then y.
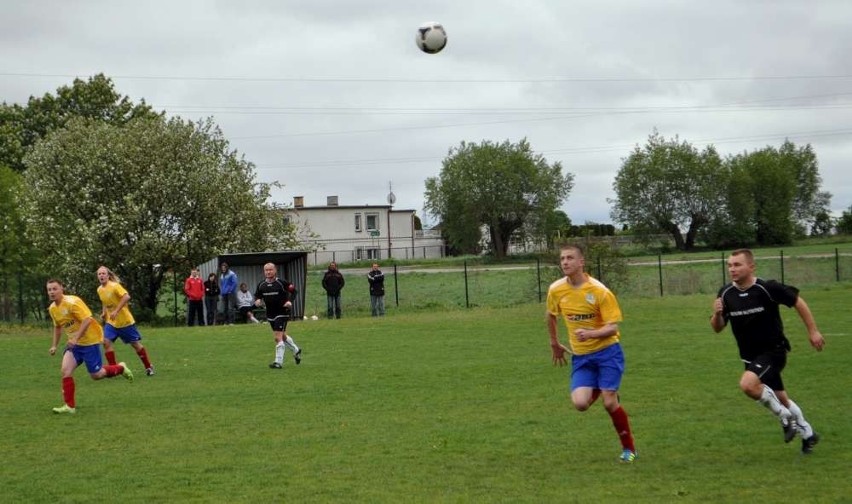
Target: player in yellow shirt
{"type": "Point", "coordinates": [85, 336]}
{"type": "Point", "coordinates": [118, 321]}
{"type": "Point", "coordinates": [591, 314]}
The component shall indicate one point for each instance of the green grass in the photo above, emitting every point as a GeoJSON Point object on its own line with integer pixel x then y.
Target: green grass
{"type": "Point", "coordinates": [448, 406]}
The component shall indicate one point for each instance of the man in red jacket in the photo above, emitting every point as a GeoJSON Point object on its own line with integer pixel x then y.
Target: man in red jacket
{"type": "Point", "coordinates": [194, 290]}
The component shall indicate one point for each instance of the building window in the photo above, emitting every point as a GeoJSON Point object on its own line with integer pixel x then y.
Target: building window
{"type": "Point", "coordinates": [373, 253]}
{"type": "Point", "coordinates": [357, 223]}
{"type": "Point", "coordinates": [372, 221]}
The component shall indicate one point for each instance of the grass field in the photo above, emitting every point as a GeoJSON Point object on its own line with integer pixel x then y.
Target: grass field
{"type": "Point", "coordinates": [448, 406]}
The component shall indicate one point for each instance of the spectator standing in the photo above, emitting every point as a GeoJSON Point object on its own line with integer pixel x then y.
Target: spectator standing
{"type": "Point", "coordinates": [377, 291]}
{"type": "Point", "coordinates": [228, 289]}
{"type": "Point", "coordinates": [193, 287]}
{"type": "Point", "coordinates": [211, 298]}
{"type": "Point", "coordinates": [333, 283]}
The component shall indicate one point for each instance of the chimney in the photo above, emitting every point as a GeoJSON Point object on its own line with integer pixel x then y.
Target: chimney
{"type": "Point", "coordinates": [331, 201]}
{"type": "Point", "coordinates": [298, 201]}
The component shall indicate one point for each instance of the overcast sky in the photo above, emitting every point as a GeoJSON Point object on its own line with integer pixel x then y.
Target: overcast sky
{"type": "Point", "coordinates": [334, 98]}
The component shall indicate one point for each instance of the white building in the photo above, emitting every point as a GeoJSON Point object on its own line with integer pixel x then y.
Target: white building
{"type": "Point", "coordinates": [346, 233]}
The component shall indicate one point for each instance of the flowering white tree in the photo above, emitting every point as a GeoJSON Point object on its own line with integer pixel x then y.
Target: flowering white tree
{"type": "Point", "coordinates": [143, 197]}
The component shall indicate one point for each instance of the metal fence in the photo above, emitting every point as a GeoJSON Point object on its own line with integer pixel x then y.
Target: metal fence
{"type": "Point", "coordinates": [443, 289]}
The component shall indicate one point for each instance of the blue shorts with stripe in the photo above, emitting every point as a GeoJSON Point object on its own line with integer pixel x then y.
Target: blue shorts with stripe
{"type": "Point", "coordinates": [128, 334]}
{"type": "Point", "coordinates": [600, 370]}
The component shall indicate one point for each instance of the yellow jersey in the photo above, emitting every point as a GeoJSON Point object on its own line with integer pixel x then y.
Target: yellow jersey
{"type": "Point", "coordinates": [589, 306]}
{"type": "Point", "coordinates": [111, 294]}
{"type": "Point", "coordinates": [70, 314]}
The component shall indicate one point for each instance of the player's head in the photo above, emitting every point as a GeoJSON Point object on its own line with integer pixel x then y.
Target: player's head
{"type": "Point", "coordinates": [106, 275]}
{"type": "Point", "coordinates": [571, 259]}
{"type": "Point", "coordinates": [741, 265]}
{"type": "Point", "coordinates": [223, 266]}
{"type": "Point", "coordinates": [55, 289]}
{"type": "Point", "coordinates": [375, 266]}
{"type": "Point", "coordinates": [269, 270]}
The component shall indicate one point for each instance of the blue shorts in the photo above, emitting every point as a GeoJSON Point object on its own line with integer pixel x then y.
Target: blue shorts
{"type": "Point", "coordinates": [600, 370]}
{"type": "Point", "coordinates": [90, 354]}
{"type": "Point", "coordinates": [128, 334]}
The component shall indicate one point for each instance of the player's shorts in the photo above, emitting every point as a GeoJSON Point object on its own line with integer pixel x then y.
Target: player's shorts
{"type": "Point", "coordinates": [128, 334]}
{"type": "Point", "coordinates": [278, 323]}
{"type": "Point", "coordinates": [600, 370]}
{"type": "Point", "coordinates": [90, 354]}
{"type": "Point", "coordinates": [768, 366]}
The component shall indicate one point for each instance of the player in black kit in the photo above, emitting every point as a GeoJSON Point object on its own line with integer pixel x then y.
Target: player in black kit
{"type": "Point", "coordinates": [751, 305]}
{"type": "Point", "coordinates": [275, 294]}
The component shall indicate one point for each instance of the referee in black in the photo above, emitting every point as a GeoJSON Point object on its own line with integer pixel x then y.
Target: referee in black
{"type": "Point", "coordinates": [275, 294]}
{"type": "Point", "coordinates": [751, 305]}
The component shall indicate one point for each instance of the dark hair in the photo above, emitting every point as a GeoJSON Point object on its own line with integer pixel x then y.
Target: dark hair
{"type": "Point", "coordinates": [749, 255]}
{"type": "Point", "coordinates": [54, 280]}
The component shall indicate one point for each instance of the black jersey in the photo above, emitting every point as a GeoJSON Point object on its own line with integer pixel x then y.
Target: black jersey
{"type": "Point", "coordinates": [755, 316]}
{"type": "Point", "coordinates": [274, 294]}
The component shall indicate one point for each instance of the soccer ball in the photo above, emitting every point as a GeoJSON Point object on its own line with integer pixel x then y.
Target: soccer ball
{"type": "Point", "coordinates": [431, 37]}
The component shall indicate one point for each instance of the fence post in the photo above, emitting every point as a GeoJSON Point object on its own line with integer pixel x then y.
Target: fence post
{"type": "Point", "coordinates": [782, 266]}
{"type": "Point", "coordinates": [20, 297]}
{"type": "Point", "coordinates": [660, 269]}
{"type": "Point", "coordinates": [174, 273]}
{"type": "Point", "coordinates": [538, 276]}
{"type": "Point", "coordinates": [724, 277]}
{"type": "Point", "coordinates": [466, 296]}
{"type": "Point", "coordinates": [396, 286]}
{"type": "Point", "coordinates": [836, 264]}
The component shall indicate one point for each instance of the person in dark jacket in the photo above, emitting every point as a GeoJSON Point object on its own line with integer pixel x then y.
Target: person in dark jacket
{"type": "Point", "coordinates": [333, 283]}
{"type": "Point", "coordinates": [377, 291]}
{"type": "Point", "coordinates": [211, 298]}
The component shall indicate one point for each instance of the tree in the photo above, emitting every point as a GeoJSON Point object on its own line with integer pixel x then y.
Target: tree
{"type": "Point", "coordinates": [844, 223]}
{"type": "Point", "coordinates": [144, 197]}
{"type": "Point", "coordinates": [808, 201]}
{"type": "Point", "coordinates": [498, 187]}
{"type": "Point", "coordinates": [669, 187]}
{"type": "Point", "coordinates": [22, 127]}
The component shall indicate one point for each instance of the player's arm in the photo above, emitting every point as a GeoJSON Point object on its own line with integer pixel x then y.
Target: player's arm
{"type": "Point", "coordinates": [558, 350]}
{"type": "Point", "coordinates": [717, 320]}
{"type": "Point", "coordinates": [57, 333]}
{"type": "Point", "coordinates": [605, 331]}
{"type": "Point", "coordinates": [121, 304]}
{"type": "Point", "coordinates": [815, 337]}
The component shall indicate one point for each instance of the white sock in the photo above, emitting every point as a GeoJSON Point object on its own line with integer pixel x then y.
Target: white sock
{"type": "Point", "coordinates": [770, 400]}
{"type": "Point", "coordinates": [292, 344]}
{"type": "Point", "coordinates": [805, 428]}
{"type": "Point", "coordinates": [279, 352]}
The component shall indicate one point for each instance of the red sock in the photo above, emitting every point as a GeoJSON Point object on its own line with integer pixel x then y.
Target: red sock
{"type": "Point", "coordinates": [143, 354]}
{"type": "Point", "coordinates": [68, 391]}
{"type": "Point", "coordinates": [622, 427]}
{"type": "Point", "coordinates": [110, 356]}
{"type": "Point", "coordinates": [113, 370]}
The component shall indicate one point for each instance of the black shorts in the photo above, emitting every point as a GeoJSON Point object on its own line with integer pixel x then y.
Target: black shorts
{"type": "Point", "coordinates": [279, 322]}
{"type": "Point", "coordinates": [768, 366]}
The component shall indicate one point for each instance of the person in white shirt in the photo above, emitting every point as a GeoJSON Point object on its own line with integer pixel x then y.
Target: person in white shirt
{"type": "Point", "coordinates": [245, 304]}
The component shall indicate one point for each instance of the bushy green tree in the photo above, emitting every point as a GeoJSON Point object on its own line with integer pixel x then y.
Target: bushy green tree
{"type": "Point", "coordinates": [141, 198]}
{"type": "Point", "coordinates": [844, 222]}
{"type": "Point", "coordinates": [21, 127]}
{"type": "Point", "coordinates": [668, 186]}
{"type": "Point", "coordinates": [497, 187]}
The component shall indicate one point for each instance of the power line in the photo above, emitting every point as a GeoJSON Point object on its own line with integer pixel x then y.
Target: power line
{"type": "Point", "coordinates": [446, 79]}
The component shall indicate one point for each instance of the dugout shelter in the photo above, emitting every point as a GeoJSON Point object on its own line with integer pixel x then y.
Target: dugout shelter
{"type": "Point", "coordinates": [292, 266]}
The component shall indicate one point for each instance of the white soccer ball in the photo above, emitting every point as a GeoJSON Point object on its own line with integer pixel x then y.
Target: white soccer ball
{"type": "Point", "coordinates": [305, 317]}
{"type": "Point", "coordinates": [314, 317]}
{"type": "Point", "coordinates": [431, 37]}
